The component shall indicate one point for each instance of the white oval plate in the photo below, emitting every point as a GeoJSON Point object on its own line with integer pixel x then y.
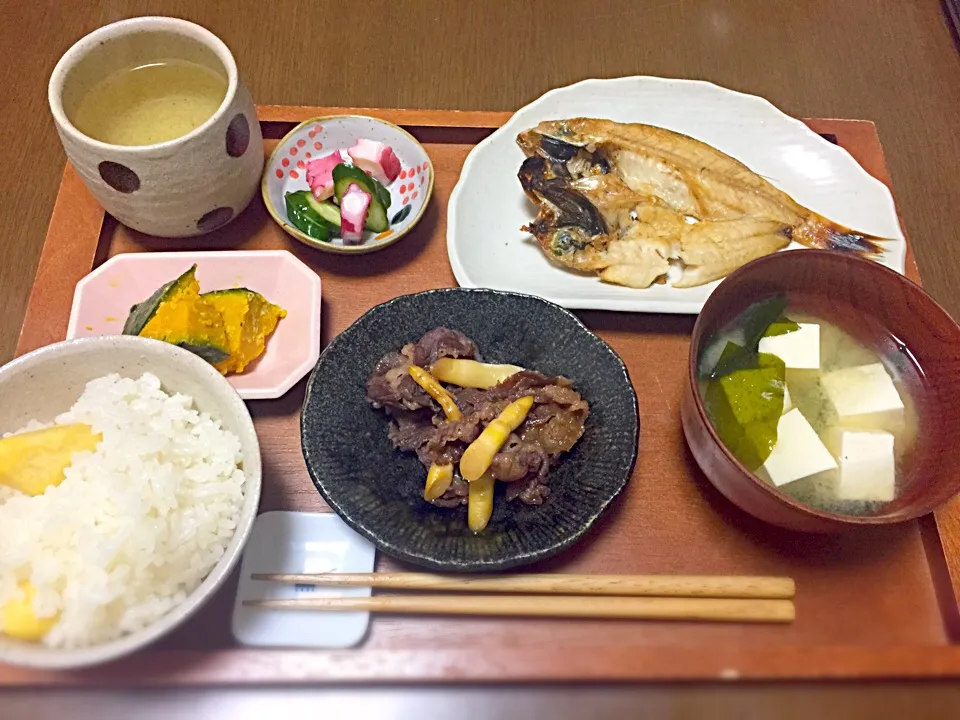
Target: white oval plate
{"type": "Point", "coordinates": [487, 248]}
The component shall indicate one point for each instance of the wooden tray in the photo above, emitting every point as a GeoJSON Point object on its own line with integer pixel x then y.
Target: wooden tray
{"type": "Point", "coordinates": [878, 603]}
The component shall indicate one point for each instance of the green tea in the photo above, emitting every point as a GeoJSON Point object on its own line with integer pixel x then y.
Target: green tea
{"type": "Point", "coordinates": [150, 103]}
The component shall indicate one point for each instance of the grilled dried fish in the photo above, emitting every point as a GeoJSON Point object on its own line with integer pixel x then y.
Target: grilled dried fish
{"type": "Point", "coordinates": [632, 201]}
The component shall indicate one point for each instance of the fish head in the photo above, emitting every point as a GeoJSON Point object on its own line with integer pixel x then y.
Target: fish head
{"type": "Point", "coordinates": [553, 141]}
{"type": "Point", "coordinates": [550, 146]}
{"type": "Point", "coordinates": [564, 130]}
{"type": "Point", "coordinates": [567, 222]}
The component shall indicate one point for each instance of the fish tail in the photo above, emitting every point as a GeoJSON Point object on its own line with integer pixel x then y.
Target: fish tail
{"type": "Point", "coordinates": [818, 232]}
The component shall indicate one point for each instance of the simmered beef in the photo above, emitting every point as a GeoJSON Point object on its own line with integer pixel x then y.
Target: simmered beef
{"type": "Point", "coordinates": [440, 343]}
{"type": "Point", "coordinates": [522, 461]}
{"type": "Point", "coordinates": [553, 426]}
{"type": "Point", "coordinates": [532, 491]}
{"type": "Point", "coordinates": [390, 385]}
{"type": "Point", "coordinates": [455, 495]}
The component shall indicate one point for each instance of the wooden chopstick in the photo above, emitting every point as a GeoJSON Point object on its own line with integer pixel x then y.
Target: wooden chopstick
{"type": "Point", "coordinates": [691, 586]}
{"type": "Point", "coordinates": [643, 608]}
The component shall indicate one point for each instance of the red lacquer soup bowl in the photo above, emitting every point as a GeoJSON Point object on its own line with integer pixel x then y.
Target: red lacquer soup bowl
{"type": "Point", "coordinates": [878, 307]}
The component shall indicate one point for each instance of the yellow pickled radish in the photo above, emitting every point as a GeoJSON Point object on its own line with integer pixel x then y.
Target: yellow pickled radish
{"type": "Point", "coordinates": [470, 373]}
{"type": "Point", "coordinates": [19, 619]}
{"type": "Point", "coordinates": [33, 461]}
{"type": "Point", "coordinates": [480, 502]}
{"type": "Point", "coordinates": [435, 390]}
{"type": "Point", "coordinates": [439, 478]}
{"type": "Point", "coordinates": [478, 457]}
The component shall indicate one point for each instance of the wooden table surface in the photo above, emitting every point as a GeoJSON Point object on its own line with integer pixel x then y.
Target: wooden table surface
{"type": "Point", "coordinates": [895, 62]}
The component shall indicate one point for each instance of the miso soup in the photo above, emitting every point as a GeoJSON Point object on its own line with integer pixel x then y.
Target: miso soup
{"type": "Point", "coordinates": [825, 417]}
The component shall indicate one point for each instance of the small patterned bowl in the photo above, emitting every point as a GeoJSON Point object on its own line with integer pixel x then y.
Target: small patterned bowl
{"type": "Point", "coordinates": [286, 172]}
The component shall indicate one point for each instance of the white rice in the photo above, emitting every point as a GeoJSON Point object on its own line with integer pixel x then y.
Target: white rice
{"type": "Point", "coordinates": [135, 526]}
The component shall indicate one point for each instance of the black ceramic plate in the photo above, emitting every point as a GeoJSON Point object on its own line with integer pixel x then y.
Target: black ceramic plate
{"type": "Point", "coordinates": [378, 490]}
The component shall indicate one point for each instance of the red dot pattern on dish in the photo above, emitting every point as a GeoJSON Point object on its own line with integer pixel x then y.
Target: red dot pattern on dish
{"type": "Point", "coordinates": [403, 176]}
{"type": "Point", "coordinates": [414, 196]}
{"type": "Point", "coordinates": [301, 164]}
{"type": "Point", "coordinates": [301, 142]}
{"type": "Point", "coordinates": [285, 162]}
{"type": "Point", "coordinates": [279, 173]}
{"type": "Point", "coordinates": [422, 178]}
{"type": "Point", "coordinates": [406, 200]}
{"type": "Point", "coordinates": [317, 145]}
{"type": "Point", "coordinates": [294, 174]}
{"type": "Point", "coordinates": [307, 154]}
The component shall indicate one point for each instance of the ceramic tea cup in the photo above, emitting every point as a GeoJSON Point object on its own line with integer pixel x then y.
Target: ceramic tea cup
{"type": "Point", "coordinates": [185, 186]}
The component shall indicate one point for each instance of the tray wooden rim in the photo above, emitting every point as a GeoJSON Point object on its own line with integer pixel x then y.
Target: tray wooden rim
{"type": "Point", "coordinates": [69, 252]}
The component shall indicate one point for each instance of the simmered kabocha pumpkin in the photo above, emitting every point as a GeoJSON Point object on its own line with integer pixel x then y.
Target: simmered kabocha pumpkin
{"type": "Point", "coordinates": [177, 314]}
{"type": "Point", "coordinates": [248, 319]}
{"type": "Point", "coordinates": [227, 328]}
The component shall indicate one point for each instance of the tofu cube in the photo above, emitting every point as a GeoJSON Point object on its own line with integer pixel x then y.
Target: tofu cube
{"type": "Point", "coordinates": [799, 349]}
{"type": "Point", "coordinates": [862, 391]}
{"type": "Point", "coordinates": [799, 452]}
{"type": "Point", "coordinates": [867, 466]}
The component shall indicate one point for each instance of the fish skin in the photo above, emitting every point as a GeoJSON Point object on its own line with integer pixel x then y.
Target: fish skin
{"type": "Point", "coordinates": [662, 196]}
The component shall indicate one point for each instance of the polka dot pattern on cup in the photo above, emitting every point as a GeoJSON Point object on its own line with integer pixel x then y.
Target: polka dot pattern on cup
{"type": "Point", "coordinates": [214, 219]}
{"type": "Point", "coordinates": [119, 177]}
{"type": "Point", "coordinates": [238, 136]}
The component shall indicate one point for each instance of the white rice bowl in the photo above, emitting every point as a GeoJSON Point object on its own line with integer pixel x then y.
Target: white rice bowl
{"type": "Point", "coordinates": [135, 526]}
